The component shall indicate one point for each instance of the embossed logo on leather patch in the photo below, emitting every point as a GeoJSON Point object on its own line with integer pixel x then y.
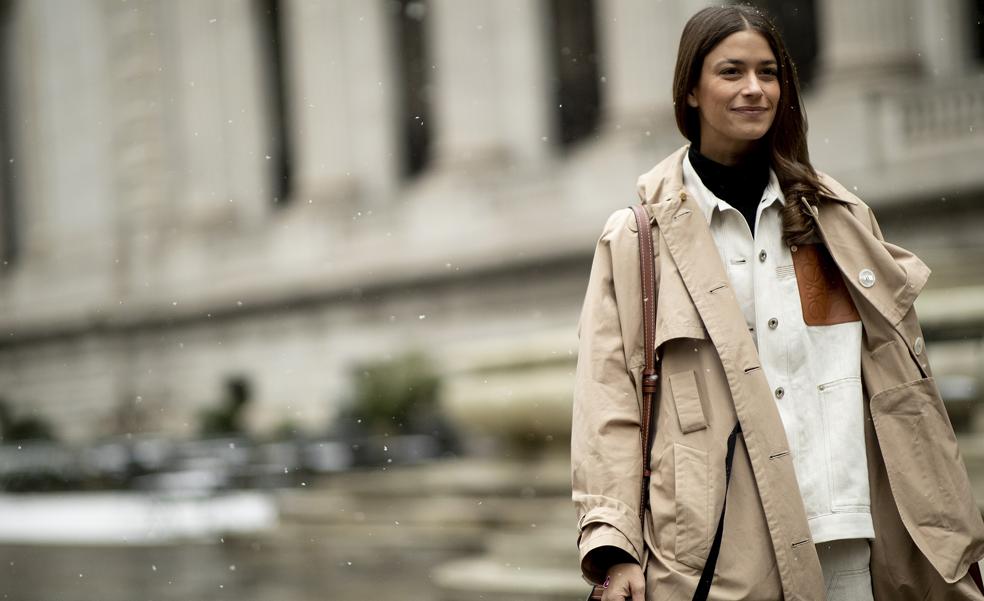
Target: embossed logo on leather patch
{"type": "Point", "coordinates": [823, 294]}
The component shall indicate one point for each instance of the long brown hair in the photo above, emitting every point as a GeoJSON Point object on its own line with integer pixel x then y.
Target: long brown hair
{"type": "Point", "coordinates": [786, 139]}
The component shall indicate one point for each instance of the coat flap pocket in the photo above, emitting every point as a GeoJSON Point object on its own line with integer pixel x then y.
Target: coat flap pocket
{"type": "Point", "coordinates": [927, 475]}
{"type": "Point", "coordinates": [692, 500]}
{"type": "Point", "coordinates": [686, 397]}
{"type": "Point", "coordinates": [887, 366]}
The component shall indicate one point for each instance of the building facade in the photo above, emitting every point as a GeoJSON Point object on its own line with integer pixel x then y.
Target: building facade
{"type": "Point", "coordinates": [279, 191]}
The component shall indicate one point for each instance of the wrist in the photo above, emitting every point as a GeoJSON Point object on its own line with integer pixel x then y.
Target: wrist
{"type": "Point", "coordinates": [613, 556]}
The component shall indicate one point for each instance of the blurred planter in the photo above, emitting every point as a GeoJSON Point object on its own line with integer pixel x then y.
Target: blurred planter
{"type": "Point", "coordinates": [515, 392]}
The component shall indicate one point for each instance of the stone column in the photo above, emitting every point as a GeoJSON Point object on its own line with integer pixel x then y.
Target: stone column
{"type": "Point", "coordinates": [944, 37]}
{"type": "Point", "coordinates": [371, 93]}
{"type": "Point", "coordinates": [464, 111]}
{"type": "Point", "coordinates": [638, 42]}
{"type": "Point", "coordinates": [341, 96]}
{"type": "Point", "coordinates": [865, 40]}
{"type": "Point", "coordinates": [139, 142]}
{"type": "Point", "coordinates": [491, 80]}
{"type": "Point", "coordinates": [221, 133]}
{"type": "Point", "coordinates": [525, 88]}
{"type": "Point", "coordinates": [65, 177]}
{"type": "Point", "coordinates": [317, 100]}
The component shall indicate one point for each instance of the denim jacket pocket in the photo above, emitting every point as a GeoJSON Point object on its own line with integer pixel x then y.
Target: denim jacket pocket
{"type": "Point", "coordinates": [843, 424]}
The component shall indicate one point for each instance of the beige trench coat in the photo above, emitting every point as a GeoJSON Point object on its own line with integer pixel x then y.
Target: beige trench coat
{"type": "Point", "coordinates": [928, 529]}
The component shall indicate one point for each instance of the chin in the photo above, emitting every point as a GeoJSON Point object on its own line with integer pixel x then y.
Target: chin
{"type": "Point", "coordinates": [748, 136]}
{"type": "Point", "coordinates": [751, 136]}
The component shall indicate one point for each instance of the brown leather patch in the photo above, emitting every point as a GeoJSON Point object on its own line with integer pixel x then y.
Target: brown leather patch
{"type": "Point", "coordinates": [823, 293]}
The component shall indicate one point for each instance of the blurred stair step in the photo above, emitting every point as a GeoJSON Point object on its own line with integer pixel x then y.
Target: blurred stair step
{"type": "Point", "coordinates": [491, 579]}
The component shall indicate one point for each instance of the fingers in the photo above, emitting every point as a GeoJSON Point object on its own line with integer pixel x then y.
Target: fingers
{"type": "Point", "coordinates": [618, 589]}
{"type": "Point", "coordinates": [638, 588]}
{"type": "Point", "coordinates": [626, 582]}
{"type": "Point", "coordinates": [611, 594]}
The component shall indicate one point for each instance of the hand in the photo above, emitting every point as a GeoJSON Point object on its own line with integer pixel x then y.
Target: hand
{"type": "Point", "coordinates": [625, 583]}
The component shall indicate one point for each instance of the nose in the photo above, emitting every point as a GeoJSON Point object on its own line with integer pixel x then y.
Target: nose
{"type": "Point", "coordinates": [752, 86]}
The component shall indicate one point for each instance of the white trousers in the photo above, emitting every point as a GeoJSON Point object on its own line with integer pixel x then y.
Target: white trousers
{"type": "Point", "coordinates": [846, 569]}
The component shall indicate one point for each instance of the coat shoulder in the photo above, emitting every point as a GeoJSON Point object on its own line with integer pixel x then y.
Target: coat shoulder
{"type": "Point", "coordinates": [838, 189]}
{"type": "Point", "coordinates": [857, 207]}
{"type": "Point", "coordinates": [619, 223]}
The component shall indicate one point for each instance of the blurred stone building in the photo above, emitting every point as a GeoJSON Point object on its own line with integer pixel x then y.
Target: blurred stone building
{"type": "Point", "coordinates": [198, 192]}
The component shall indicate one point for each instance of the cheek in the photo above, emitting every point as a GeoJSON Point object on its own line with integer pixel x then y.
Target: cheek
{"type": "Point", "coordinates": [774, 94]}
{"type": "Point", "coordinates": [719, 103]}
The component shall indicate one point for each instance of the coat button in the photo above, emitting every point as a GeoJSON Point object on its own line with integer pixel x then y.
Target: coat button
{"type": "Point", "coordinates": [773, 323]}
{"type": "Point", "coordinates": [867, 278]}
{"type": "Point", "coordinates": [780, 392]}
{"type": "Point", "coordinates": [917, 346]}
{"type": "Point", "coordinates": [762, 255]}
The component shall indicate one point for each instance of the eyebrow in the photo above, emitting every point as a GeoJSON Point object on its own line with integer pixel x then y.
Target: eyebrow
{"type": "Point", "coordinates": [738, 61]}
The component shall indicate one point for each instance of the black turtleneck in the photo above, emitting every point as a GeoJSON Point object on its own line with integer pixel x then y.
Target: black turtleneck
{"type": "Point", "coordinates": [740, 185]}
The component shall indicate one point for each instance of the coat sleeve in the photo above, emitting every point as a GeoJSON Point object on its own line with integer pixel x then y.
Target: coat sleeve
{"type": "Point", "coordinates": [606, 455]}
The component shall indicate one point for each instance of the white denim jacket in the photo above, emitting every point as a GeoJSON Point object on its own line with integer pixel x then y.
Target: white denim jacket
{"type": "Point", "coordinates": [814, 371]}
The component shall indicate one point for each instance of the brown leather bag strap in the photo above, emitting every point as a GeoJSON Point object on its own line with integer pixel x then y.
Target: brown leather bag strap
{"type": "Point", "coordinates": [649, 376]}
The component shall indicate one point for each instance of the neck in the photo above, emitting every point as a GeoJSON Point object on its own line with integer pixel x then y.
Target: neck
{"type": "Point", "coordinates": [739, 185]}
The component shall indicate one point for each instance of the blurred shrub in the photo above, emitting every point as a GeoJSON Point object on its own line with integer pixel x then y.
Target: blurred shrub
{"type": "Point", "coordinates": [17, 428]}
{"type": "Point", "coordinates": [227, 418]}
{"type": "Point", "coordinates": [399, 394]}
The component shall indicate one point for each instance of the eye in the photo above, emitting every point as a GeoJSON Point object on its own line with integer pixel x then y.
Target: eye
{"type": "Point", "coordinates": [770, 72]}
{"type": "Point", "coordinates": [729, 71]}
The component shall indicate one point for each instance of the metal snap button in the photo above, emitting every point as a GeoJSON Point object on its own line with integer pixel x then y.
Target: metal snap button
{"type": "Point", "coordinates": [773, 323]}
{"type": "Point", "coordinates": [762, 255]}
{"type": "Point", "coordinates": [867, 278]}
{"type": "Point", "coordinates": [780, 392]}
{"type": "Point", "coordinates": [917, 346]}
{"type": "Point", "coordinates": [793, 248]}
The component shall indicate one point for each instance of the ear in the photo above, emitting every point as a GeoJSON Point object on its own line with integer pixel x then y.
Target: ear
{"type": "Point", "coordinates": [691, 99]}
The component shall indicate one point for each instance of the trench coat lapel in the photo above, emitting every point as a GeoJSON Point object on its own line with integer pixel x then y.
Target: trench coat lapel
{"type": "Point", "coordinates": [677, 316]}
{"type": "Point", "coordinates": [694, 265]}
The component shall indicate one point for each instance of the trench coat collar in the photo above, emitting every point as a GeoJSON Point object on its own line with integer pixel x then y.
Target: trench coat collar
{"type": "Point", "coordinates": [665, 180]}
{"type": "Point", "coordinates": [899, 276]}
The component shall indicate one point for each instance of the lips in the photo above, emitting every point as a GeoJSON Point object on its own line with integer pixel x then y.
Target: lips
{"type": "Point", "coordinates": [750, 109]}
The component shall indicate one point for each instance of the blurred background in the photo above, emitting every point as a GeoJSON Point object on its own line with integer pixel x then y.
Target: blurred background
{"type": "Point", "coordinates": [289, 288]}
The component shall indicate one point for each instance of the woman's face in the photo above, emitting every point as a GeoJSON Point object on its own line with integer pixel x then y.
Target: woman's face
{"type": "Point", "coordinates": [736, 96]}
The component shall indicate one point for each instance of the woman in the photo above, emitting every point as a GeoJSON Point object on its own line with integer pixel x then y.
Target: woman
{"type": "Point", "coordinates": [779, 308]}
